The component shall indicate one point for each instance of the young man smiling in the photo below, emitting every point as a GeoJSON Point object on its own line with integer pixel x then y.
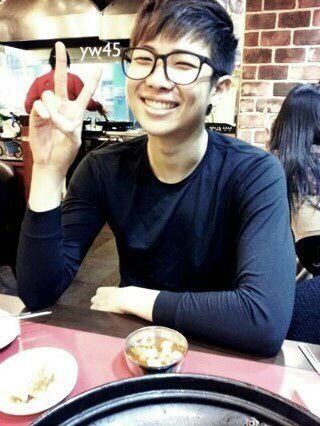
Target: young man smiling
{"type": "Point", "coordinates": [201, 221]}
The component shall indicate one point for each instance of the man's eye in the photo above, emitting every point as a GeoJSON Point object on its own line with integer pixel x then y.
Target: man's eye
{"type": "Point", "coordinates": [185, 65]}
{"type": "Point", "coordinates": [142, 59]}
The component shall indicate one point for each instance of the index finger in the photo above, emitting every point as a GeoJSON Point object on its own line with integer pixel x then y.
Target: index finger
{"type": "Point", "coordinates": [89, 88]}
{"type": "Point", "coordinates": [101, 290]}
{"type": "Point", "coordinates": [60, 72]}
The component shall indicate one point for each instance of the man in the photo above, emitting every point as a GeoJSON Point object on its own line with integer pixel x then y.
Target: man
{"type": "Point", "coordinates": [45, 82]}
{"type": "Point", "coordinates": [201, 221]}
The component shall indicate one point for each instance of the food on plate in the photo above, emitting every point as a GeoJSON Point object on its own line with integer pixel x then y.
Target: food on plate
{"type": "Point", "coordinates": [32, 384]}
{"type": "Point", "coordinates": [153, 351]}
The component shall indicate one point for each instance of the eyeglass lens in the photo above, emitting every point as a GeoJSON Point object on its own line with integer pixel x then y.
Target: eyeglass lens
{"type": "Point", "coordinates": [182, 68]}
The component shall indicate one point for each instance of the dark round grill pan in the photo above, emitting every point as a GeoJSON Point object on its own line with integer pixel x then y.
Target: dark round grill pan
{"type": "Point", "coordinates": [178, 399]}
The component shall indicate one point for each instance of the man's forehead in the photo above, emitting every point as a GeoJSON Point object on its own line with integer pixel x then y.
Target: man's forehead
{"type": "Point", "coordinates": [164, 44]}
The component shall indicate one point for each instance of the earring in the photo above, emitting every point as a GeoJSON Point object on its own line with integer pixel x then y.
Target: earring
{"type": "Point", "coordinates": [209, 109]}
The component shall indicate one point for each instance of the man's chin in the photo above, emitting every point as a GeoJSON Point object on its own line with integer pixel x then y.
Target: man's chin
{"type": "Point", "coordinates": [159, 130]}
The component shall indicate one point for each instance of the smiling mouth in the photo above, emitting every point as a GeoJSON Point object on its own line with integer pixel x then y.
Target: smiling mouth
{"type": "Point", "coordinates": [159, 105]}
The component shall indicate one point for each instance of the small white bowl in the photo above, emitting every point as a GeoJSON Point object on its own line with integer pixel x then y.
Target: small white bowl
{"type": "Point", "coordinates": [9, 328]}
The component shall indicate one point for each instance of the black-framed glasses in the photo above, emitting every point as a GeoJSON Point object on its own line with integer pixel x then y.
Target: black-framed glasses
{"type": "Point", "coordinates": [180, 66]}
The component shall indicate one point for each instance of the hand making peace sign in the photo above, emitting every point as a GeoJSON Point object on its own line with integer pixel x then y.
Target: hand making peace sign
{"type": "Point", "coordinates": [56, 122]}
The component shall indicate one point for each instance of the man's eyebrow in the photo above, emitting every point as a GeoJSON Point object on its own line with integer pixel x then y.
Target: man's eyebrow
{"type": "Point", "coordinates": [171, 51]}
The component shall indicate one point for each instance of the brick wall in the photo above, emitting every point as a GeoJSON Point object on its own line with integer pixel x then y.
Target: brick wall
{"type": "Point", "coordinates": [281, 49]}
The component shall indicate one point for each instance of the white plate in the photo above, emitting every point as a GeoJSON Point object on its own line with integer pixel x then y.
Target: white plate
{"type": "Point", "coordinates": [62, 364]}
{"type": "Point", "coordinates": [9, 328]}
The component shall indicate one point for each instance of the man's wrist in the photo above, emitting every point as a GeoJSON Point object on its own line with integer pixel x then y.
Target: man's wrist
{"type": "Point", "coordinates": [46, 188]}
{"type": "Point", "coordinates": [139, 301]}
{"type": "Point", "coordinates": [41, 168]}
{"type": "Point", "coordinates": [125, 299]}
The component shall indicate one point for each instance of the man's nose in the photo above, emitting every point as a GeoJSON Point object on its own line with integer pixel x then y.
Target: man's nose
{"type": "Point", "coordinates": [158, 77]}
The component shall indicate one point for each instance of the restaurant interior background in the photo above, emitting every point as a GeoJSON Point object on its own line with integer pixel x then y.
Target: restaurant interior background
{"type": "Point", "coordinates": [279, 47]}
{"type": "Point", "coordinates": [28, 30]}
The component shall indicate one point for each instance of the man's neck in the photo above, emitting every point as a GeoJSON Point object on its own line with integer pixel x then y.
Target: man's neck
{"type": "Point", "coordinates": [172, 158]}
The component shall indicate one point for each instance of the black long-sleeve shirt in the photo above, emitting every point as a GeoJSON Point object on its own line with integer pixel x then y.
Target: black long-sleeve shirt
{"type": "Point", "coordinates": [217, 244]}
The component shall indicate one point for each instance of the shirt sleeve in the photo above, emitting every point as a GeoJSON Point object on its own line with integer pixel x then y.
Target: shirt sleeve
{"type": "Point", "coordinates": [31, 97]}
{"type": "Point", "coordinates": [255, 316]}
{"type": "Point", "coordinates": [78, 85]}
{"type": "Point", "coordinates": [53, 243]}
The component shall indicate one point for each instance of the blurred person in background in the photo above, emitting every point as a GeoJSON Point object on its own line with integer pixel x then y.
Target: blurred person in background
{"type": "Point", "coordinates": [295, 140]}
{"type": "Point", "coordinates": [46, 82]}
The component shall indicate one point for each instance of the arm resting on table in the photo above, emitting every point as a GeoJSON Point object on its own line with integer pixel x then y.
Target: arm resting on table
{"type": "Point", "coordinates": [256, 315]}
{"type": "Point", "coordinates": [53, 243]}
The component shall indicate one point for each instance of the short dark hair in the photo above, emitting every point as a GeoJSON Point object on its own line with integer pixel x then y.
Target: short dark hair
{"type": "Point", "coordinates": [52, 58]}
{"type": "Point", "coordinates": [295, 132]}
{"type": "Point", "coordinates": [204, 20]}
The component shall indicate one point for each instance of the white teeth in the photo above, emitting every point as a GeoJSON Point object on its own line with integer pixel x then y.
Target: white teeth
{"type": "Point", "coordinates": [160, 105]}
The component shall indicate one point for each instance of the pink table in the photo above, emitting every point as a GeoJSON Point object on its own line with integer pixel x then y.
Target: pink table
{"type": "Point", "coordinates": [101, 360]}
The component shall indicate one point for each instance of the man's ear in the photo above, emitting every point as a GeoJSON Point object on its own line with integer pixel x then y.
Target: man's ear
{"type": "Point", "coordinates": [223, 84]}
{"type": "Point", "coordinates": [219, 88]}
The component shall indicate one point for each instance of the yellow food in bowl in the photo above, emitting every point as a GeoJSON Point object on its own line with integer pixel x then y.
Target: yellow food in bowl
{"type": "Point", "coordinates": [151, 351]}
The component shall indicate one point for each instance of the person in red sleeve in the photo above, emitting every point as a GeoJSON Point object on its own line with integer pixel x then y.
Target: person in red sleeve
{"type": "Point", "coordinates": [45, 82]}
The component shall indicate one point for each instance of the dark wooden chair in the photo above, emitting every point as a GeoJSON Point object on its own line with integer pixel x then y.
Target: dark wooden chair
{"type": "Point", "coordinates": [11, 215]}
{"type": "Point", "coordinates": [308, 252]}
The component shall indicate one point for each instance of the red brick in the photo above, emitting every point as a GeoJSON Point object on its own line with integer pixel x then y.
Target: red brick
{"type": "Point", "coordinates": [260, 21]}
{"type": "Point", "coordinates": [246, 105]}
{"type": "Point", "coordinates": [314, 54]}
{"type": "Point", "coordinates": [290, 55]}
{"type": "Point", "coordinates": [279, 4]}
{"type": "Point", "coordinates": [309, 37]}
{"type": "Point", "coordinates": [245, 135]}
{"type": "Point", "coordinates": [275, 38]}
{"type": "Point", "coordinates": [273, 72]}
{"type": "Point", "coordinates": [282, 89]}
{"type": "Point", "coordinates": [294, 19]}
{"type": "Point", "coordinates": [272, 105]}
{"type": "Point", "coordinates": [256, 89]}
{"type": "Point", "coordinates": [254, 5]}
{"type": "Point", "coordinates": [316, 17]}
{"type": "Point", "coordinates": [310, 72]}
{"type": "Point", "coordinates": [251, 39]}
{"type": "Point", "coordinates": [257, 56]}
{"type": "Point", "coordinates": [249, 121]}
{"type": "Point", "coordinates": [308, 3]}
{"type": "Point", "coordinates": [249, 73]}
